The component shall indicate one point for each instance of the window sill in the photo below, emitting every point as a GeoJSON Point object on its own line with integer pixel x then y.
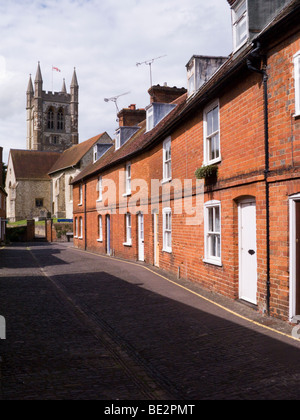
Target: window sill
{"type": "Point", "coordinates": [75, 237]}
{"type": "Point", "coordinates": [168, 251]}
{"type": "Point", "coordinates": [212, 162]}
{"type": "Point", "coordinates": [296, 116]}
{"type": "Point", "coordinates": [166, 181]}
{"type": "Point", "coordinates": [80, 205]}
{"type": "Point", "coordinates": [128, 244]}
{"type": "Point", "coordinates": [128, 194]}
{"type": "Point", "coordinates": [99, 201]}
{"type": "Point", "coordinates": [212, 262]}
{"type": "Point", "coordinates": [99, 240]}
{"type": "Point", "coordinates": [80, 237]}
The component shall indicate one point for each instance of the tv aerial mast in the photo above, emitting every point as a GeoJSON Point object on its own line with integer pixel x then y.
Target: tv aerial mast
{"type": "Point", "coordinates": [149, 63]}
{"type": "Point", "coordinates": [115, 100]}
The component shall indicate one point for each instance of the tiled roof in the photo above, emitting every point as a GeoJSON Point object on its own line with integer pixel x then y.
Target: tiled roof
{"type": "Point", "coordinates": [72, 156]}
{"type": "Point", "coordinates": [140, 141]}
{"type": "Point", "coordinates": [31, 164]}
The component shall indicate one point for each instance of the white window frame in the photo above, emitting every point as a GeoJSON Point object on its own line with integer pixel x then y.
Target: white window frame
{"type": "Point", "coordinates": [95, 153]}
{"type": "Point", "coordinates": [80, 228]}
{"type": "Point", "coordinates": [207, 138]}
{"type": "Point", "coordinates": [128, 179]}
{"type": "Point", "coordinates": [236, 22]}
{"type": "Point", "coordinates": [100, 189]}
{"type": "Point", "coordinates": [167, 160]}
{"type": "Point", "coordinates": [150, 119]}
{"type": "Point", "coordinates": [80, 194]}
{"type": "Point", "coordinates": [100, 229]}
{"type": "Point", "coordinates": [208, 257]}
{"type": "Point", "coordinates": [128, 229]}
{"type": "Point", "coordinates": [118, 140]}
{"type": "Point", "coordinates": [167, 230]}
{"type": "Point", "coordinates": [297, 82]}
{"type": "Point", "coordinates": [76, 227]}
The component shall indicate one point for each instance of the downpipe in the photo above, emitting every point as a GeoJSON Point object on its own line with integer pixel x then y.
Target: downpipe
{"type": "Point", "coordinates": [255, 55]}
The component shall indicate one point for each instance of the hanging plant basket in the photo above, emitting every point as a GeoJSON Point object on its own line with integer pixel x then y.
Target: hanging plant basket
{"type": "Point", "coordinates": [207, 172]}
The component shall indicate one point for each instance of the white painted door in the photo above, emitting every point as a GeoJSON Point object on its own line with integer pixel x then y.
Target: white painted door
{"type": "Point", "coordinates": [248, 252]}
{"type": "Point", "coordinates": [141, 237]}
{"type": "Point", "coordinates": [156, 239]}
{"type": "Point", "coordinates": [108, 249]}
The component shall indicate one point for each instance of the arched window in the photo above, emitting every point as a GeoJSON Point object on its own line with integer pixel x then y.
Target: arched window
{"type": "Point", "coordinates": [60, 119]}
{"type": "Point", "coordinates": [80, 228]}
{"type": "Point", "coordinates": [50, 119]}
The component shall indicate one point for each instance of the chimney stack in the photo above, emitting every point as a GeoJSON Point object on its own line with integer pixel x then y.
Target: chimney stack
{"type": "Point", "coordinates": [131, 117]}
{"type": "Point", "coordinates": [165, 94]}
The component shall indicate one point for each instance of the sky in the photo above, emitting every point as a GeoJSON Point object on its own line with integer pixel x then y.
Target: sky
{"type": "Point", "coordinates": [103, 40]}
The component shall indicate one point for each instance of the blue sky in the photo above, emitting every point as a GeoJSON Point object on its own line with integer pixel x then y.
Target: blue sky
{"type": "Point", "coordinates": [103, 39]}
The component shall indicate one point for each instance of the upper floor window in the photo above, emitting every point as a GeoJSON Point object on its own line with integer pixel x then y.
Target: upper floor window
{"type": "Point", "coordinates": [167, 160]}
{"type": "Point", "coordinates": [128, 179]}
{"type": "Point", "coordinates": [60, 120]}
{"type": "Point", "coordinates": [118, 140]}
{"type": "Point", "coordinates": [80, 195]}
{"type": "Point", "coordinates": [39, 202]}
{"type": "Point", "coordinates": [70, 189]}
{"type": "Point", "coordinates": [212, 152]}
{"type": "Point", "coordinates": [297, 82]}
{"type": "Point", "coordinates": [95, 153]}
{"type": "Point", "coordinates": [50, 119]}
{"type": "Point", "coordinates": [240, 24]}
{"type": "Point", "coordinates": [150, 119]}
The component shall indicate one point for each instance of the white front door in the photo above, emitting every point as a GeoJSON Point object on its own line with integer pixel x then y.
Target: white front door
{"type": "Point", "coordinates": [156, 239]}
{"type": "Point", "coordinates": [294, 256]}
{"type": "Point", "coordinates": [247, 252]}
{"type": "Point", "coordinates": [141, 237]}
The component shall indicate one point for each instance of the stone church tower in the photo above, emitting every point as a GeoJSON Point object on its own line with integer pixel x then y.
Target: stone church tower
{"type": "Point", "coordinates": [52, 117]}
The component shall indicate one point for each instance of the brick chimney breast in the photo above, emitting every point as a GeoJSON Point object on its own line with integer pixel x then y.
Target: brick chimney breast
{"type": "Point", "coordinates": [165, 94]}
{"type": "Point", "coordinates": [130, 117]}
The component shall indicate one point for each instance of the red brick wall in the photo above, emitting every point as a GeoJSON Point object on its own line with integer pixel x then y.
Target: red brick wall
{"type": "Point", "coordinates": [241, 174]}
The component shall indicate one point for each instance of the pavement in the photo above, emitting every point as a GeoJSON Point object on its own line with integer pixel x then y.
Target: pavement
{"type": "Point", "coordinates": [81, 326]}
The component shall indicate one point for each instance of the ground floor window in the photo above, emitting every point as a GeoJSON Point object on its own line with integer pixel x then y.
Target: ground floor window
{"type": "Point", "coordinates": [100, 229]}
{"type": "Point", "coordinates": [167, 230]}
{"type": "Point", "coordinates": [212, 227]}
{"type": "Point", "coordinates": [128, 233]}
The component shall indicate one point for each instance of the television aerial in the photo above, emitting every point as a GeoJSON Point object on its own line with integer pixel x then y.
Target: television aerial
{"type": "Point", "coordinates": [115, 100]}
{"type": "Point", "coordinates": [149, 63]}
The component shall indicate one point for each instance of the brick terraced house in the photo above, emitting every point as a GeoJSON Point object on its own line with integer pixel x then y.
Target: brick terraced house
{"type": "Point", "coordinates": [237, 230]}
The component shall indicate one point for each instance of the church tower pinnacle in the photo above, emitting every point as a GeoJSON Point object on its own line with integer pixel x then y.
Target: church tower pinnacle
{"type": "Point", "coordinates": [52, 117]}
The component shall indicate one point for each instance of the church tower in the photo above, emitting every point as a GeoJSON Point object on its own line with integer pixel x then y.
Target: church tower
{"type": "Point", "coordinates": [52, 117]}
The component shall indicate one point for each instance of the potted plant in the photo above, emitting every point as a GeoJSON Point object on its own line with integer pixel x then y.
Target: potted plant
{"type": "Point", "coordinates": [208, 172]}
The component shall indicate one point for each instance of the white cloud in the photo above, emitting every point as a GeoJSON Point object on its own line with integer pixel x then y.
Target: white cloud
{"type": "Point", "coordinates": [104, 40]}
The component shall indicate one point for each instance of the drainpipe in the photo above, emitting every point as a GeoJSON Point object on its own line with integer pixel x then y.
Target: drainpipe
{"type": "Point", "coordinates": [255, 55]}
{"type": "Point", "coordinates": [85, 219]}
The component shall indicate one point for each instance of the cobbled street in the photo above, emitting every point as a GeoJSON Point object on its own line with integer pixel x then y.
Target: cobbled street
{"type": "Point", "coordinates": [82, 326]}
